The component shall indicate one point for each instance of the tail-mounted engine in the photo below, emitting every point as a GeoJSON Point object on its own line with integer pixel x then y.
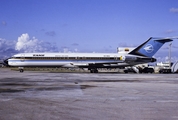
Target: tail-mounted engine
{"type": "Point", "coordinates": [128, 58]}
{"type": "Point", "coordinates": [137, 59]}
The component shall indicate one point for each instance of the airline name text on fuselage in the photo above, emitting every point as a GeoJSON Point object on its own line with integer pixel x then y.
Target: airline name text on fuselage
{"type": "Point", "coordinates": [38, 55]}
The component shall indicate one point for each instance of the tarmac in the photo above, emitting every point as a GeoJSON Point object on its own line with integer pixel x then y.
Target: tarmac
{"type": "Point", "coordinates": [39, 95]}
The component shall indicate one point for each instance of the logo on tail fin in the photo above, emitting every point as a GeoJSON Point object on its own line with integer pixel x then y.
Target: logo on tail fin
{"type": "Point", "coordinates": [148, 48]}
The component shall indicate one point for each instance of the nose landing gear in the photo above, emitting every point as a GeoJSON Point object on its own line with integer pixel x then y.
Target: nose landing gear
{"type": "Point", "coordinates": [21, 69]}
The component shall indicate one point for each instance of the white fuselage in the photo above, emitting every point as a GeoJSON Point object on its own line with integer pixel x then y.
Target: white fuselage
{"type": "Point", "coordinates": [67, 59]}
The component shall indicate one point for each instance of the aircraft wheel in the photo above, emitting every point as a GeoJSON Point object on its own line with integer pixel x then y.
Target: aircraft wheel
{"type": "Point", "coordinates": [93, 71]}
{"type": "Point", "coordinates": [21, 70]}
{"type": "Point", "coordinates": [125, 71]}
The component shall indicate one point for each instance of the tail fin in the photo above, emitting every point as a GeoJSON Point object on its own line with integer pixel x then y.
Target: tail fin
{"type": "Point", "coordinates": [150, 47]}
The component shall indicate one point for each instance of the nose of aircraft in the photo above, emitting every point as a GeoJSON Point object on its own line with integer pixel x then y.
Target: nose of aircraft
{"type": "Point", "coordinates": [5, 62]}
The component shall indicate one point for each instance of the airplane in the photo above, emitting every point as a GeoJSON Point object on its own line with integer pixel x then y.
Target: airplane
{"type": "Point", "coordinates": [92, 61]}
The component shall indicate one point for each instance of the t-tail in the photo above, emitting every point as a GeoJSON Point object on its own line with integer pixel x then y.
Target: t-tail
{"type": "Point", "coordinates": [150, 47]}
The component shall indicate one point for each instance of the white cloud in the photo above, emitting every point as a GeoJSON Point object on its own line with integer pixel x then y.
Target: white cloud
{"type": "Point", "coordinates": [25, 44]}
{"type": "Point", "coordinates": [6, 48]}
{"type": "Point", "coordinates": [174, 10]}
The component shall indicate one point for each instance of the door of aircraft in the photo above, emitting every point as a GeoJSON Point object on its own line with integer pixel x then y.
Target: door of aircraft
{"type": "Point", "coordinates": [22, 58]}
{"type": "Point", "coordinates": [115, 57]}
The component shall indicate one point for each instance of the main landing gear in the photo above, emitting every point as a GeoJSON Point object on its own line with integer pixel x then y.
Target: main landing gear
{"type": "Point", "coordinates": [93, 70]}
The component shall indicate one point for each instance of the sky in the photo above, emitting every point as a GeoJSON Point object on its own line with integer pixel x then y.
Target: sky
{"type": "Point", "coordinates": [85, 25]}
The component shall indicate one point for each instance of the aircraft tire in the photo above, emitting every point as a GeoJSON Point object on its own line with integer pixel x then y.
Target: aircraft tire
{"type": "Point", "coordinates": [21, 70]}
{"type": "Point", "coordinates": [93, 71]}
{"type": "Point", "coordinates": [125, 71]}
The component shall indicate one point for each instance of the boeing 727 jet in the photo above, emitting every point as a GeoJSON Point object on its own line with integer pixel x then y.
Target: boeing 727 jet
{"type": "Point", "coordinates": [142, 54]}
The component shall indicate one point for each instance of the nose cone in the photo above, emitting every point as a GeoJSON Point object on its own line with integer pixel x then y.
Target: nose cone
{"type": "Point", "coordinates": [5, 62]}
